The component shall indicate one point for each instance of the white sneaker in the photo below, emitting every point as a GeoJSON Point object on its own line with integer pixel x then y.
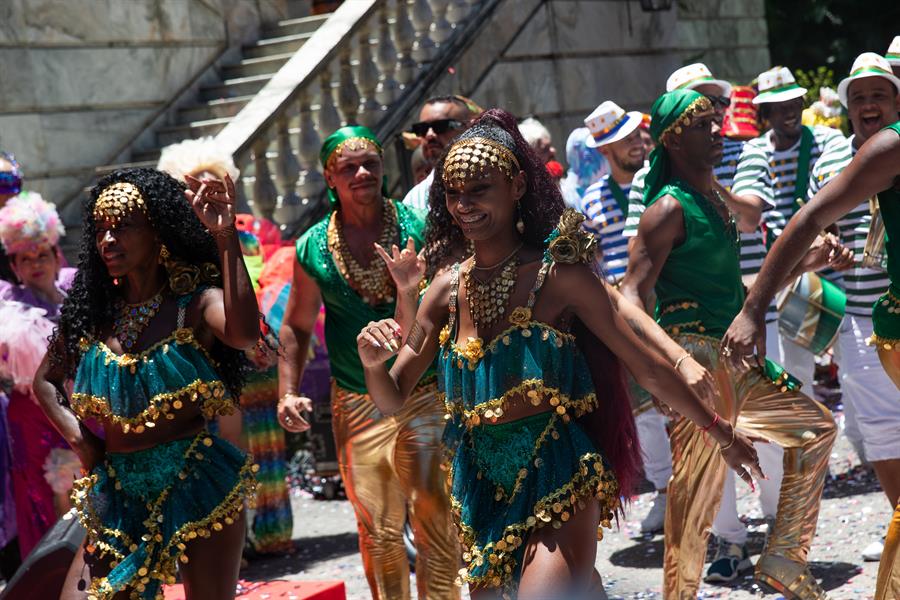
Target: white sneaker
{"type": "Point", "coordinates": [872, 552]}
{"type": "Point", "coordinates": [655, 519]}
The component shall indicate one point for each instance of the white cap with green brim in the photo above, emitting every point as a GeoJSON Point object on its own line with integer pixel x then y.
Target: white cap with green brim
{"type": "Point", "coordinates": [867, 64]}
{"type": "Point", "coordinates": [777, 85]}
{"type": "Point", "coordinates": [691, 76]}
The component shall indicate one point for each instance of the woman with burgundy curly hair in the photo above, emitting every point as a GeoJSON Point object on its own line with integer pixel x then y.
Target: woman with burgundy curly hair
{"type": "Point", "coordinates": [540, 439]}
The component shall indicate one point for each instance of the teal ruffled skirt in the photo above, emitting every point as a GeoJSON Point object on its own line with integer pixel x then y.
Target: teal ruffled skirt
{"type": "Point", "coordinates": [507, 480]}
{"type": "Point", "coordinates": [140, 509]}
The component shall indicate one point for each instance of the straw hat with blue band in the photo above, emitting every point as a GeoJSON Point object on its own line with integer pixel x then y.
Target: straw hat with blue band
{"type": "Point", "coordinates": [610, 123]}
{"type": "Point", "coordinates": [778, 85]}
{"type": "Point", "coordinates": [692, 76]}
{"type": "Point", "coordinates": [893, 53]}
{"type": "Point", "coordinates": [867, 64]}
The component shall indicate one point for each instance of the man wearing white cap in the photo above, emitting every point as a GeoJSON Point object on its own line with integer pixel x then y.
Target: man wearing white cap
{"type": "Point", "coordinates": [773, 172]}
{"type": "Point", "coordinates": [893, 55]}
{"type": "Point", "coordinates": [732, 556]}
{"type": "Point", "coordinates": [871, 95]}
{"type": "Point", "coordinates": [616, 135]}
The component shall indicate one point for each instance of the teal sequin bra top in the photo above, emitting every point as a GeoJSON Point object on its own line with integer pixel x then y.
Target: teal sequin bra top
{"type": "Point", "coordinates": [136, 390]}
{"type": "Point", "coordinates": [142, 509]}
{"type": "Point", "coordinates": [506, 479]}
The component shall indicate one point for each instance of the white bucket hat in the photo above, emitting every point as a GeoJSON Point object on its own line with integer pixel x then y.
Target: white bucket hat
{"type": "Point", "coordinates": [777, 85]}
{"type": "Point", "coordinates": [893, 53]}
{"type": "Point", "coordinates": [867, 64]}
{"type": "Point", "coordinates": [610, 123]}
{"type": "Point", "coordinates": [691, 76]}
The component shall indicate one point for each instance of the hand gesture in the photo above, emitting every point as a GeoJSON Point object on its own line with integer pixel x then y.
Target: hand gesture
{"type": "Point", "coordinates": [290, 412]}
{"type": "Point", "coordinates": [405, 266]}
{"type": "Point", "coordinates": [378, 342]}
{"type": "Point", "coordinates": [746, 337]}
{"type": "Point", "coordinates": [212, 201]}
{"type": "Point", "coordinates": [741, 454]}
{"type": "Point", "coordinates": [827, 251]}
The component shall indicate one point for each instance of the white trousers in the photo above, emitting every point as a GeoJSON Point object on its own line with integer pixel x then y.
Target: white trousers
{"type": "Point", "coordinates": [727, 524]}
{"type": "Point", "coordinates": [871, 400]}
{"type": "Point", "coordinates": [655, 449]}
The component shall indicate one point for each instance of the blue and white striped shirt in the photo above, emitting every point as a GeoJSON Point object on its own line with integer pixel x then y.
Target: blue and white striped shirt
{"type": "Point", "coordinates": [606, 220]}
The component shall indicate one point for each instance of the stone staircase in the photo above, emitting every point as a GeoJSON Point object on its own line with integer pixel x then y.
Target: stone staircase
{"type": "Point", "coordinates": [216, 104]}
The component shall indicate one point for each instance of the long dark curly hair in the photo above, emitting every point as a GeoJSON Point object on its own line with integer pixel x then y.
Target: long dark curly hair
{"type": "Point", "coordinates": [540, 207]}
{"type": "Point", "coordinates": [90, 305]}
{"type": "Point", "coordinates": [611, 426]}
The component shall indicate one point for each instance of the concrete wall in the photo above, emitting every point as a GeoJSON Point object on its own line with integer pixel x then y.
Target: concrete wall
{"type": "Point", "coordinates": [570, 55]}
{"type": "Point", "coordinates": [79, 79]}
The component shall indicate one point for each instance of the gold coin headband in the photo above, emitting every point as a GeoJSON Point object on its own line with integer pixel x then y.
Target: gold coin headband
{"type": "Point", "coordinates": [470, 158]}
{"type": "Point", "coordinates": [117, 201]}
{"type": "Point", "coordinates": [352, 144]}
{"type": "Point", "coordinates": [700, 105]}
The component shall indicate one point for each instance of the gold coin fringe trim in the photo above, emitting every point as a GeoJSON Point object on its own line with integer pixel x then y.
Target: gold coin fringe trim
{"type": "Point", "coordinates": [553, 509]}
{"type": "Point", "coordinates": [211, 394]}
{"type": "Point", "coordinates": [883, 343]}
{"type": "Point", "coordinates": [533, 390]}
{"type": "Point", "coordinates": [181, 337]}
{"type": "Point", "coordinates": [474, 349]}
{"type": "Point", "coordinates": [226, 512]}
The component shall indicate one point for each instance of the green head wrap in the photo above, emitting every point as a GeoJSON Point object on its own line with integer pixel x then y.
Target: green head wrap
{"type": "Point", "coordinates": [671, 111]}
{"type": "Point", "coordinates": [336, 141]}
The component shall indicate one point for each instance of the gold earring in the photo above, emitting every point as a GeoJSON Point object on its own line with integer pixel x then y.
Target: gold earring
{"type": "Point", "coordinates": [520, 225]}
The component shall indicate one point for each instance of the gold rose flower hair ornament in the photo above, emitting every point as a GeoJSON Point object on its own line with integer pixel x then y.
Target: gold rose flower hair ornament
{"type": "Point", "coordinates": [117, 201]}
{"type": "Point", "coordinates": [569, 243]}
{"type": "Point", "coordinates": [470, 158]}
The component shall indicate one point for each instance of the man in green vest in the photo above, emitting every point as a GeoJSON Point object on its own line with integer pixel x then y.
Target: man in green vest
{"type": "Point", "coordinates": [390, 465]}
{"type": "Point", "coordinates": [874, 170]}
{"type": "Point", "coordinates": [687, 250]}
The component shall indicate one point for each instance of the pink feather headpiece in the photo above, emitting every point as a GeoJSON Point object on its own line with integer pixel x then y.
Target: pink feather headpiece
{"type": "Point", "coordinates": [28, 221]}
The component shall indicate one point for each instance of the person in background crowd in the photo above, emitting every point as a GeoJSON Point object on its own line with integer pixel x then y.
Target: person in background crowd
{"type": "Point", "coordinates": [538, 137]}
{"type": "Point", "coordinates": [893, 55]}
{"type": "Point", "coordinates": [10, 186]}
{"type": "Point", "coordinates": [255, 427]}
{"type": "Point", "coordinates": [646, 138]}
{"type": "Point", "coordinates": [390, 465]}
{"type": "Point", "coordinates": [420, 166]}
{"type": "Point", "coordinates": [586, 166]}
{"type": "Point", "coordinates": [441, 119]}
{"type": "Point", "coordinates": [871, 95]}
{"type": "Point", "coordinates": [43, 466]}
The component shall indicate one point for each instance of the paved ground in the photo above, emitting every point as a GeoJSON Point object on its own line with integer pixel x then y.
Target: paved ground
{"type": "Point", "coordinates": [854, 512]}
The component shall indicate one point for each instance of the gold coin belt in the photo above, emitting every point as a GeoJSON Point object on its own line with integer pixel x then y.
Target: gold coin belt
{"type": "Point", "coordinates": [488, 300]}
{"type": "Point", "coordinates": [133, 319]}
{"type": "Point", "coordinates": [373, 282]}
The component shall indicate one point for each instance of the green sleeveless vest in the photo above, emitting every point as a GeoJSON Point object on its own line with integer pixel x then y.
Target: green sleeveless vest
{"type": "Point", "coordinates": [886, 312]}
{"type": "Point", "coordinates": [345, 312]}
{"type": "Point", "coordinates": [699, 289]}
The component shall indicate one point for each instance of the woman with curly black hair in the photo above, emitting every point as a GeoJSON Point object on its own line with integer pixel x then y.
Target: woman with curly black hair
{"type": "Point", "coordinates": [152, 333]}
{"type": "Point", "coordinates": [540, 430]}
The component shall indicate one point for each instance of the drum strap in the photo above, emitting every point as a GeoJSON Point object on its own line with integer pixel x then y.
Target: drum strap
{"type": "Point", "coordinates": [619, 196]}
{"type": "Point", "coordinates": [801, 184]}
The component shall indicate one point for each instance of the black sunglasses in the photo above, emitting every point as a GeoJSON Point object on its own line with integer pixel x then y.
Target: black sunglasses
{"type": "Point", "coordinates": [439, 126]}
{"type": "Point", "coordinates": [719, 101]}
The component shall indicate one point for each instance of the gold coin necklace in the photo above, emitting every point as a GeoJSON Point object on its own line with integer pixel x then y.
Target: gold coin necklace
{"type": "Point", "coordinates": [133, 319]}
{"type": "Point", "coordinates": [373, 282]}
{"type": "Point", "coordinates": [488, 300]}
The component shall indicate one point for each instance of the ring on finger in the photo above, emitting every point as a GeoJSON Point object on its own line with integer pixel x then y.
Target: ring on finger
{"type": "Point", "coordinates": [288, 421]}
{"type": "Point", "coordinates": [726, 351]}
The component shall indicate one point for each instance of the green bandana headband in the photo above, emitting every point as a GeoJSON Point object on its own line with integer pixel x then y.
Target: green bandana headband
{"type": "Point", "coordinates": [670, 113]}
{"type": "Point", "coordinates": [347, 136]}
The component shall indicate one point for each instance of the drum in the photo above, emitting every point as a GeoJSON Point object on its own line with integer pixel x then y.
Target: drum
{"type": "Point", "coordinates": [873, 252]}
{"type": "Point", "coordinates": [811, 310]}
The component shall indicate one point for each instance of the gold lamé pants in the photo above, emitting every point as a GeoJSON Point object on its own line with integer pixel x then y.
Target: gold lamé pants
{"type": "Point", "coordinates": [391, 469]}
{"type": "Point", "coordinates": [887, 585]}
{"type": "Point", "coordinates": [749, 399]}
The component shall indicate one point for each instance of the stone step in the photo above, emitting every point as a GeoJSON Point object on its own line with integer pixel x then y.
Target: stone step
{"type": "Point", "coordinates": [177, 133]}
{"type": "Point", "coordinates": [213, 109]}
{"type": "Point", "coordinates": [233, 88]}
{"type": "Point", "coordinates": [294, 26]}
{"type": "Point", "coordinates": [277, 45]}
{"type": "Point", "coordinates": [151, 155]}
{"type": "Point", "coordinates": [101, 171]}
{"type": "Point", "coordinates": [264, 65]}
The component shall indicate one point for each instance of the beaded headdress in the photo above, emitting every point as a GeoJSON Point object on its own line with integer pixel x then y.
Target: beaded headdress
{"type": "Point", "coordinates": [471, 157]}
{"type": "Point", "coordinates": [118, 200]}
{"type": "Point", "coordinates": [28, 221]}
{"type": "Point", "coordinates": [698, 106]}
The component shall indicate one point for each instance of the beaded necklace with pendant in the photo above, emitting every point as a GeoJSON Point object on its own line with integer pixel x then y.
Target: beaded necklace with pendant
{"type": "Point", "coordinates": [488, 300]}
{"type": "Point", "coordinates": [133, 319]}
{"type": "Point", "coordinates": [373, 282]}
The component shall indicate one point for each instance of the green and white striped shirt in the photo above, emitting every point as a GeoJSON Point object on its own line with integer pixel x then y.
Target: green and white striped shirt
{"type": "Point", "coordinates": [862, 286]}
